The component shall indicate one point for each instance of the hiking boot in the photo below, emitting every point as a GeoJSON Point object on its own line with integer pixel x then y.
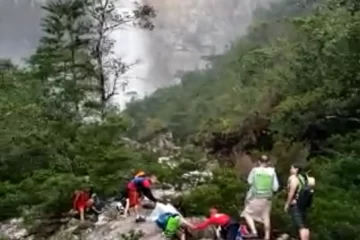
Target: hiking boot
{"type": "Point", "coordinates": [140, 219]}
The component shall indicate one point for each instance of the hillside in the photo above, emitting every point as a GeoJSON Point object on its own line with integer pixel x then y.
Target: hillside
{"type": "Point", "coordinates": [290, 88]}
{"type": "Point", "coordinates": [227, 88]}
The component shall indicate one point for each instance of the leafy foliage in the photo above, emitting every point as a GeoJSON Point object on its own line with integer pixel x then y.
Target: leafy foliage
{"type": "Point", "coordinates": [132, 235]}
{"type": "Point", "coordinates": [51, 138]}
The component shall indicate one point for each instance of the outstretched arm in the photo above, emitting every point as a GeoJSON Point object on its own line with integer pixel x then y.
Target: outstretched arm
{"type": "Point", "coordinates": [203, 225]}
{"type": "Point", "coordinates": [148, 193]}
{"type": "Point", "coordinates": [186, 223]}
{"type": "Point", "coordinates": [146, 190]}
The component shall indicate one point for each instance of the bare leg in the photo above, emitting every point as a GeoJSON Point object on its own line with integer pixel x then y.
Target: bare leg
{"type": "Point", "coordinates": [136, 210]}
{"type": "Point", "coordinates": [267, 227]}
{"type": "Point", "coordinates": [250, 223]}
{"type": "Point", "coordinates": [304, 234]}
{"type": "Point", "coordinates": [81, 212]}
{"type": "Point", "coordinates": [127, 208]}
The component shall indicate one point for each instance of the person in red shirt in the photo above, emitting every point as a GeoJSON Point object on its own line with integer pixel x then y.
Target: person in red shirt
{"type": "Point", "coordinates": [81, 202]}
{"type": "Point", "coordinates": [228, 228]}
{"type": "Point", "coordinates": [139, 185]}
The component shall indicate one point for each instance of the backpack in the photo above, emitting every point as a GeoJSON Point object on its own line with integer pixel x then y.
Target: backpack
{"type": "Point", "coordinates": [162, 220]}
{"type": "Point", "coordinates": [138, 181]}
{"type": "Point", "coordinates": [305, 194]}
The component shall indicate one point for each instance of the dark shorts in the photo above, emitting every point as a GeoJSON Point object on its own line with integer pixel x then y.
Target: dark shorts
{"type": "Point", "coordinates": [298, 217]}
{"type": "Point", "coordinates": [230, 231]}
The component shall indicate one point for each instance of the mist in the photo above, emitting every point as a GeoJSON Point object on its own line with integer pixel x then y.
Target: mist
{"type": "Point", "coordinates": [185, 31]}
{"type": "Point", "coordinates": [19, 28]}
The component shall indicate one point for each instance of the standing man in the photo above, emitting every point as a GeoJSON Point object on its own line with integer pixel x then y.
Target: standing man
{"type": "Point", "coordinates": [263, 183]}
{"type": "Point", "coordinates": [299, 199]}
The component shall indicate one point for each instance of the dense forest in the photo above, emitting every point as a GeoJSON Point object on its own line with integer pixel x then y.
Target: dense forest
{"type": "Point", "coordinates": [58, 126]}
{"type": "Point", "coordinates": [289, 88]}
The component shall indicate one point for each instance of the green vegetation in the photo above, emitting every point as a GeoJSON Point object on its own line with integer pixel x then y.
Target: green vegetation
{"type": "Point", "coordinates": [289, 88]}
{"type": "Point", "coordinates": [132, 235]}
{"type": "Point", "coordinates": [57, 125]}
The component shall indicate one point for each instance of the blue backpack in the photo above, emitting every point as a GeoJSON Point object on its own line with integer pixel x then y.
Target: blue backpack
{"type": "Point", "coordinates": [138, 180]}
{"type": "Point", "coordinates": [162, 220]}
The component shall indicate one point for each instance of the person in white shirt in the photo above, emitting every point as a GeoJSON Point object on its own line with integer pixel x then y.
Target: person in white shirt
{"type": "Point", "coordinates": [263, 183]}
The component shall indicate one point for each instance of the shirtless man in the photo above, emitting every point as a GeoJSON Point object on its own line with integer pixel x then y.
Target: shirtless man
{"type": "Point", "coordinates": [296, 183]}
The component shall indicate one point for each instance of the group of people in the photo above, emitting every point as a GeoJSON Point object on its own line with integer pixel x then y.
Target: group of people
{"type": "Point", "coordinates": [263, 184]}
{"type": "Point", "coordinates": [87, 201]}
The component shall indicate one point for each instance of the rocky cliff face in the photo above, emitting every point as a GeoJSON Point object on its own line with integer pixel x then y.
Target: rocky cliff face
{"type": "Point", "coordinates": [185, 31]}
{"type": "Point", "coordinates": [188, 30]}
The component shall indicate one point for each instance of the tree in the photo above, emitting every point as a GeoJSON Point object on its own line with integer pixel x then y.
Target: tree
{"type": "Point", "coordinates": [109, 68]}
{"type": "Point", "coordinates": [46, 142]}
{"type": "Point", "coordinates": [62, 58]}
{"type": "Point", "coordinates": [76, 54]}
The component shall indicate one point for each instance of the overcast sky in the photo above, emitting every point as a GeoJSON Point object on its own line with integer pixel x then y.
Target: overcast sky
{"type": "Point", "coordinates": [19, 28]}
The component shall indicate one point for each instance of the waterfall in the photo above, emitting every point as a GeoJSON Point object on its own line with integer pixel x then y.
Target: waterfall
{"type": "Point", "coordinates": [131, 46]}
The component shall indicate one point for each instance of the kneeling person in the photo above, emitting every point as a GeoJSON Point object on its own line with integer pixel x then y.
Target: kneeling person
{"type": "Point", "coordinates": [171, 224]}
{"type": "Point", "coordinates": [229, 229]}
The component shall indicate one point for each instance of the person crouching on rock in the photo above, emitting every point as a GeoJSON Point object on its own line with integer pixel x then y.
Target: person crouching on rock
{"type": "Point", "coordinates": [172, 225]}
{"type": "Point", "coordinates": [137, 186]}
{"type": "Point", "coordinates": [124, 205]}
{"type": "Point", "coordinates": [229, 228]}
{"type": "Point", "coordinates": [82, 202]}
